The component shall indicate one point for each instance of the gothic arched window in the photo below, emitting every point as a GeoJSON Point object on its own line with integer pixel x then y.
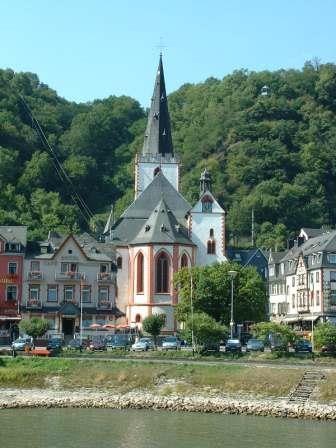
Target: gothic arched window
{"type": "Point", "coordinates": [162, 273]}
{"type": "Point", "coordinates": [211, 233]}
{"type": "Point", "coordinates": [184, 261]}
{"type": "Point", "coordinates": [119, 263]}
{"type": "Point", "coordinates": [156, 171]}
{"type": "Point", "coordinates": [140, 273]}
{"type": "Point", "coordinates": [211, 246]}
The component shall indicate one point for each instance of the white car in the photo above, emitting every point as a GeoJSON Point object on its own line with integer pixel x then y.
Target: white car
{"type": "Point", "coordinates": [171, 343]}
{"type": "Point", "coordinates": [142, 345]}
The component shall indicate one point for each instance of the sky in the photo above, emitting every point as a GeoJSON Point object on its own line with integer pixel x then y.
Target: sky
{"type": "Point", "coordinates": [89, 49]}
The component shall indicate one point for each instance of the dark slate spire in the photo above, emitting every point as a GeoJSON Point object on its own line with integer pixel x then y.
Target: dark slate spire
{"type": "Point", "coordinates": [158, 138]}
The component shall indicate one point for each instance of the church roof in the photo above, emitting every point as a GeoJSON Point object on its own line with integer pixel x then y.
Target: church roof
{"type": "Point", "coordinates": [135, 216]}
{"type": "Point", "coordinates": [158, 139]}
{"type": "Point", "coordinates": [162, 227]}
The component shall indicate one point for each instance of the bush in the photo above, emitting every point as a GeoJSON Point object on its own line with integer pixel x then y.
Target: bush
{"type": "Point", "coordinates": [154, 324]}
{"type": "Point", "coordinates": [324, 334]}
{"type": "Point", "coordinates": [267, 330]}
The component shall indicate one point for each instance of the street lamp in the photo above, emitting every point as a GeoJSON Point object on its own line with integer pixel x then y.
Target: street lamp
{"type": "Point", "coordinates": [232, 274]}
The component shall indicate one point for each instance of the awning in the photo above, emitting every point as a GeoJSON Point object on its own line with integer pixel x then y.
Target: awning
{"type": "Point", "coordinates": [10, 317]}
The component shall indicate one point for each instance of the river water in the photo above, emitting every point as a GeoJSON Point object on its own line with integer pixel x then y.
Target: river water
{"type": "Point", "coordinates": [100, 428]}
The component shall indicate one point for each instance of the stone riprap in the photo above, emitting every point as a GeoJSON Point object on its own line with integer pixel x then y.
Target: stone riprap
{"type": "Point", "coordinates": [31, 398]}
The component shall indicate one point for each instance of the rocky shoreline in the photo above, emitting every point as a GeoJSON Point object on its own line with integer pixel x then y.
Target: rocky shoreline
{"type": "Point", "coordinates": [32, 398]}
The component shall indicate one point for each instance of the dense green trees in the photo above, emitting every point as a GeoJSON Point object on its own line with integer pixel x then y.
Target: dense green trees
{"type": "Point", "coordinates": [273, 153]}
{"type": "Point", "coordinates": [212, 293]}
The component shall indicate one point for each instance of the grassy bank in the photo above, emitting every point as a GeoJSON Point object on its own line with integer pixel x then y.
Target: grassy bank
{"type": "Point", "coordinates": [161, 378]}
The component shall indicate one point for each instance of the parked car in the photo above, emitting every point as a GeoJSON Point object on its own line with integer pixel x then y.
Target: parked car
{"type": "Point", "coordinates": [255, 345]}
{"type": "Point", "coordinates": [74, 344]}
{"type": "Point", "coordinates": [97, 344]}
{"type": "Point", "coordinates": [142, 345]}
{"type": "Point", "coordinates": [278, 346]}
{"type": "Point", "coordinates": [55, 344]}
{"type": "Point", "coordinates": [303, 345]}
{"type": "Point", "coordinates": [233, 346]}
{"type": "Point", "coordinates": [171, 343]}
{"type": "Point", "coordinates": [118, 342]}
{"type": "Point", "coordinates": [329, 349]}
{"type": "Point", "coordinates": [23, 344]}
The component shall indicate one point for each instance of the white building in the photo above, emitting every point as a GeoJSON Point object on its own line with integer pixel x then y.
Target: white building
{"type": "Point", "coordinates": [302, 281]}
{"type": "Point", "coordinates": [66, 273]}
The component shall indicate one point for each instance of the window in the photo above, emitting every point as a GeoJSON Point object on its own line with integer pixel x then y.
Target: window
{"type": "Point", "coordinates": [314, 259]}
{"type": "Point", "coordinates": [211, 247]}
{"type": "Point", "coordinates": [11, 292]}
{"type": "Point", "coordinates": [282, 268]}
{"type": "Point", "coordinates": [34, 293]}
{"type": "Point", "coordinates": [311, 278]}
{"type": "Point", "coordinates": [333, 276]}
{"type": "Point", "coordinates": [317, 298]}
{"type": "Point", "coordinates": [331, 258]}
{"type": "Point", "coordinates": [86, 294]}
{"type": "Point", "coordinates": [103, 268]}
{"type": "Point", "coordinates": [101, 320]}
{"type": "Point", "coordinates": [156, 171]}
{"type": "Point", "coordinates": [287, 289]}
{"type": "Point", "coordinates": [119, 262]}
{"type": "Point", "coordinates": [162, 273]}
{"type": "Point", "coordinates": [138, 318]}
{"type": "Point", "coordinates": [140, 273]}
{"type": "Point", "coordinates": [51, 322]}
{"type": "Point", "coordinates": [103, 294]}
{"type": "Point", "coordinates": [211, 233]}
{"type": "Point", "coordinates": [317, 277]}
{"type": "Point", "coordinates": [293, 280]}
{"type": "Point", "coordinates": [69, 293]}
{"type": "Point", "coordinates": [271, 270]}
{"type": "Point", "coordinates": [184, 261]}
{"type": "Point", "coordinates": [206, 204]}
{"type": "Point", "coordinates": [52, 293]}
{"type": "Point", "coordinates": [12, 268]}
{"type": "Point", "coordinates": [69, 267]}
{"type": "Point", "coordinates": [312, 298]}
{"type": "Point", "coordinates": [35, 266]}
{"type": "Point", "coordinates": [293, 300]}
{"type": "Point", "coordinates": [332, 297]}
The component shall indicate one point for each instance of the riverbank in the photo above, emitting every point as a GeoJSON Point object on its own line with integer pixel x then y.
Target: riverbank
{"type": "Point", "coordinates": [33, 398]}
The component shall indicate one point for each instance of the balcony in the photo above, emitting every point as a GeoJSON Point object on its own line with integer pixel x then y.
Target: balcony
{"type": "Point", "coordinates": [35, 275]}
{"type": "Point", "coordinates": [104, 304]}
{"type": "Point", "coordinates": [105, 277]}
{"type": "Point", "coordinates": [34, 303]}
{"type": "Point", "coordinates": [67, 276]}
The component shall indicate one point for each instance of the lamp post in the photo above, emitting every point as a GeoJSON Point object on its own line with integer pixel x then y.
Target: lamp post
{"type": "Point", "coordinates": [232, 274]}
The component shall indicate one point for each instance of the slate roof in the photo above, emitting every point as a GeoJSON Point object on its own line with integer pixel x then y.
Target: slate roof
{"type": "Point", "coordinates": [312, 233]}
{"type": "Point", "coordinates": [158, 139]}
{"type": "Point", "coordinates": [243, 256]}
{"type": "Point", "coordinates": [162, 227]}
{"type": "Point", "coordinates": [129, 226]}
{"type": "Point", "coordinates": [14, 234]}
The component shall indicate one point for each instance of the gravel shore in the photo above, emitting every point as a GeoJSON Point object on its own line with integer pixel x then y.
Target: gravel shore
{"type": "Point", "coordinates": [31, 398]}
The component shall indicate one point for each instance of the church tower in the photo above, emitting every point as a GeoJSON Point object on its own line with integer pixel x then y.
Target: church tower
{"type": "Point", "coordinates": [207, 225]}
{"type": "Point", "coordinates": [157, 151]}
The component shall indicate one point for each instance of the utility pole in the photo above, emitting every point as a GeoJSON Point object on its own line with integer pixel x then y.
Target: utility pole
{"type": "Point", "coordinates": [252, 228]}
{"type": "Point", "coordinates": [192, 313]}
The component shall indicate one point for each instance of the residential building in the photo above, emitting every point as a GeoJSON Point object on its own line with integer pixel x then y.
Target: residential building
{"type": "Point", "coordinates": [302, 282]}
{"type": "Point", "coordinates": [250, 257]}
{"type": "Point", "coordinates": [13, 241]}
{"type": "Point", "coordinates": [67, 274]}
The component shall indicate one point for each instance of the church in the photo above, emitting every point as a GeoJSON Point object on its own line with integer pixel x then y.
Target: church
{"type": "Point", "coordinates": [160, 232]}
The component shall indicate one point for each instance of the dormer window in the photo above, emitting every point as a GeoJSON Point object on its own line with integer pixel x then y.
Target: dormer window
{"type": "Point", "coordinates": [156, 171]}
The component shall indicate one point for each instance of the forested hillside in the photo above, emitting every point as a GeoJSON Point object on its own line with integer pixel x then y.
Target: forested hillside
{"type": "Point", "coordinates": [273, 153]}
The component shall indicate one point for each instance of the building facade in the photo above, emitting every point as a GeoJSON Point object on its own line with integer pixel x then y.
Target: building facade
{"type": "Point", "coordinates": [13, 241]}
{"type": "Point", "coordinates": [302, 281]}
{"type": "Point", "coordinates": [66, 275]}
{"type": "Point", "coordinates": [160, 232]}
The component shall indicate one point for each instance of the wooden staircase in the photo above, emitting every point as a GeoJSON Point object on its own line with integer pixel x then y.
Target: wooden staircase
{"type": "Point", "coordinates": [306, 386]}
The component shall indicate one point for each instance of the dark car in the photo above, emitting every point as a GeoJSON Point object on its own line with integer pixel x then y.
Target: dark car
{"type": "Point", "coordinates": [75, 344]}
{"type": "Point", "coordinates": [118, 342]}
{"type": "Point", "coordinates": [233, 346]}
{"type": "Point", "coordinates": [97, 344]}
{"type": "Point", "coordinates": [278, 346]}
{"type": "Point", "coordinates": [329, 349]}
{"type": "Point", "coordinates": [303, 346]}
{"type": "Point", "coordinates": [55, 344]}
{"type": "Point", "coordinates": [255, 345]}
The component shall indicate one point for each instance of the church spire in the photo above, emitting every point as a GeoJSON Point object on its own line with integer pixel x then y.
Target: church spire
{"type": "Point", "coordinates": [205, 182]}
{"type": "Point", "coordinates": [158, 138]}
